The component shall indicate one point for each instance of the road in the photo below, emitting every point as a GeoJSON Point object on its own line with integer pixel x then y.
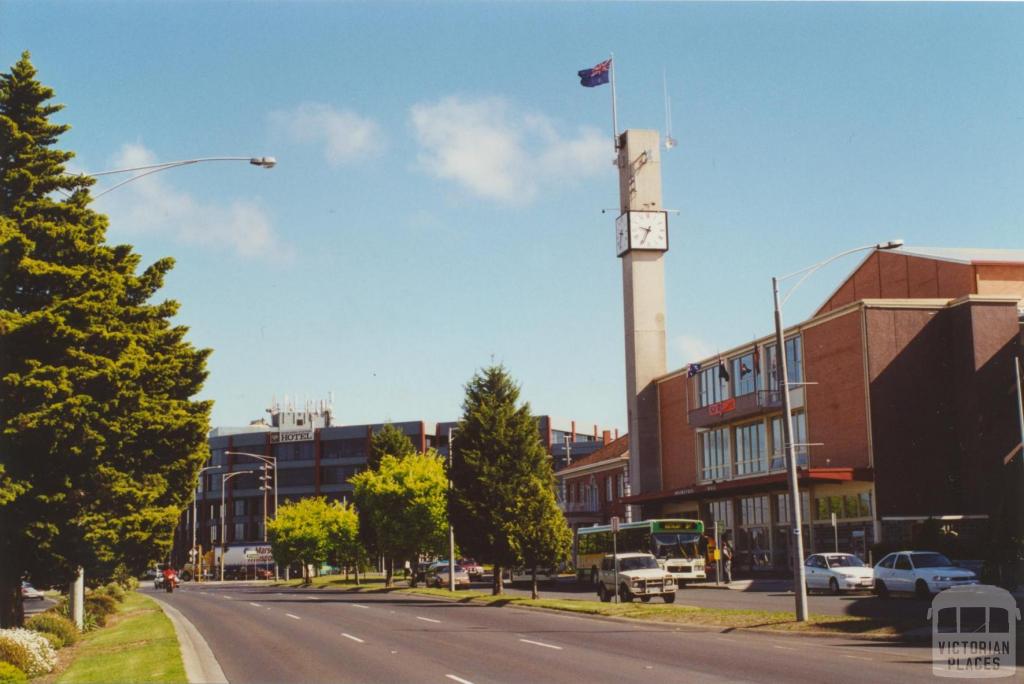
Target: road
{"type": "Point", "coordinates": [268, 634]}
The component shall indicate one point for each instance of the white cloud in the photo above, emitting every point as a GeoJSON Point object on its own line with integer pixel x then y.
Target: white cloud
{"type": "Point", "coordinates": [500, 152]}
{"type": "Point", "coordinates": [153, 205]}
{"type": "Point", "coordinates": [692, 349]}
{"type": "Point", "coordinates": [345, 135]}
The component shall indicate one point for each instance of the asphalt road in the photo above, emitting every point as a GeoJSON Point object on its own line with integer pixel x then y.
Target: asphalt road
{"type": "Point", "coordinates": [268, 634]}
{"type": "Point", "coordinates": [36, 606]}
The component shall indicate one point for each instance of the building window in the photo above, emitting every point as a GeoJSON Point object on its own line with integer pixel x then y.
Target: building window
{"type": "Point", "coordinates": [621, 485]}
{"type": "Point", "coordinates": [794, 363]}
{"type": "Point", "coordinates": [750, 449]}
{"type": "Point", "coordinates": [239, 531]}
{"type": "Point", "coordinates": [213, 534]}
{"type": "Point", "coordinates": [721, 514]}
{"type": "Point", "coordinates": [715, 462]}
{"type": "Point", "coordinates": [845, 507]}
{"type": "Point", "coordinates": [782, 501]}
{"type": "Point", "coordinates": [754, 510]}
{"type": "Point", "coordinates": [240, 507]}
{"type": "Point", "coordinates": [799, 439]}
{"type": "Point", "coordinates": [608, 488]}
{"type": "Point", "coordinates": [712, 387]}
{"type": "Point", "coordinates": [744, 374]}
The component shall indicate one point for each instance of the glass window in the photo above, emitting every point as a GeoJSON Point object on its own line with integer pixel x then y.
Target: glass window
{"type": "Point", "coordinates": [902, 562]}
{"type": "Point", "coordinates": [608, 488]}
{"type": "Point", "coordinates": [213, 533]}
{"type": "Point", "coordinates": [239, 531]}
{"type": "Point", "coordinates": [782, 502]}
{"type": "Point", "coordinates": [744, 374]}
{"type": "Point", "coordinates": [295, 451]}
{"type": "Point", "coordinates": [794, 362]}
{"type": "Point", "coordinates": [754, 510]}
{"type": "Point", "coordinates": [778, 456]}
{"type": "Point", "coordinates": [621, 485]}
{"type": "Point", "coordinates": [711, 386]}
{"type": "Point", "coordinates": [240, 507]}
{"type": "Point", "coordinates": [715, 461]}
{"type": "Point", "coordinates": [721, 512]}
{"type": "Point", "coordinates": [750, 449]}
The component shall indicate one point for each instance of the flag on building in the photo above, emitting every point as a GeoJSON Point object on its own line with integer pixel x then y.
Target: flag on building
{"type": "Point", "coordinates": [596, 76]}
{"type": "Point", "coordinates": [757, 360]}
{"type": "Point", "coordinates": [723, 372]}
{"type": "Point", "coordinates": [692, 370]}
{"type": "Point", "coordinates": [744, 369]}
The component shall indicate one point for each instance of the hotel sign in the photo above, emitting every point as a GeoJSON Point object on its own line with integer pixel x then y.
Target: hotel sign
{"type": "Point", "coordinates": [722, 407]}
{"type": "Point", "coordinates": [291, 436]}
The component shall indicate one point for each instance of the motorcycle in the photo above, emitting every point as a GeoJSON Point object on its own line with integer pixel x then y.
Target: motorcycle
{"type": "Point", "coordinates": [170, 582]}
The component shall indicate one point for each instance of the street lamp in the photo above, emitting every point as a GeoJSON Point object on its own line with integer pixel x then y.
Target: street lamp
{"type": "Point", "coordinates": [451, 529]}
{"type": "Point", "coordinates": [268, 461]}
{"type": "Point", "coordinates": [799, 579]}
{"type": "Point", "coordinates": [142, 171]}
{"type": "Point", "coordinates": [195, 495]}
{"type": "Point", "coordinates": [223, 520]}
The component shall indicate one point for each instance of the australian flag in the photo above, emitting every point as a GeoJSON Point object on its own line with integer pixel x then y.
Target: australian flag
{"type": "Point", "coordinates": [596, 76]}
{"type": "Point", "coordinates": [692, 370]}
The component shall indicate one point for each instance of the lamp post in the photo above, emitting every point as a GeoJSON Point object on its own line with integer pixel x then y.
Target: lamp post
{"type": "Point", "coordinates": [799, 579]}
{"type": "Point", "coordinates": [271, 462]}
{"type": "Point", "coordinates": [451, 529]}
{"type": "Point", "coordinates": [195, 495]}
{"type": "Point", "coordinates": [149, 169]}
{"type": "Point", "coordinates": [223, 520]}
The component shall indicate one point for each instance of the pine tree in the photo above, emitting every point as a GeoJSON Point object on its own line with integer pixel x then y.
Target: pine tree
{"type": "Point", "coordinates": [100, 443]}
{"type": "Point", "coordinates": [497, 460]}
{"type": "Point", "coordinates": [389, 441]}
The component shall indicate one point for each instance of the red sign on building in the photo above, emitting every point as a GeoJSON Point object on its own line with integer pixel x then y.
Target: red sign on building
{"type": "Point", "coordinates": [722, 407]}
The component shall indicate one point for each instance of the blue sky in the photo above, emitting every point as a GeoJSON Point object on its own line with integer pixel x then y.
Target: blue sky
{"type": "Point", "coordinates": [437, 202]}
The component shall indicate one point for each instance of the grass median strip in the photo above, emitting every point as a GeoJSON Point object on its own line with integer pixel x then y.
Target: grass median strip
{"type": "Point", "coordinates": [690, 615]}
{"type": "Point", "coordinates": [138, 645]}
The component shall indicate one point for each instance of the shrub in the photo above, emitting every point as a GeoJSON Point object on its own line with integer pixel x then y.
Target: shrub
{"type": "Point", "coordinates": [10, 674]}
{"type": "Point", "coordinates": [55, 641]}
{"type": "Point", "coordinates": [42, 657]}
{"type": "Point", "coordinates": [101, 604]}
{"type": "Point", "coordinates": [15, 654]}
{"type": "Point", "coordinates": [54, 624]}
{"type": "Point", "coordinates": [114, 591]}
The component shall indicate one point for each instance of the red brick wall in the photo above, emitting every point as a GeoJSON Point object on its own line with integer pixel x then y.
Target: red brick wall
{"type": "Point", "coordinates": [836, 410]}
{"type": "Point", "coordinates": [678, 453]}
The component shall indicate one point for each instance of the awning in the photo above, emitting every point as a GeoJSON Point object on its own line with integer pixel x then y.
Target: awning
{"type": "Point", "coordinates": [761, 484]}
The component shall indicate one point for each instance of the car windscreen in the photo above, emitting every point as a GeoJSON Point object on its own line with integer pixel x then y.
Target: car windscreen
{"type": "Point", "coordinates": [844, 562]}
{"type": "Point", "coordinates": [638, 563]}
{"type": "Point", "coordinates": [930, 560]}
{"type": "Point", "coordinates": [676, 545]}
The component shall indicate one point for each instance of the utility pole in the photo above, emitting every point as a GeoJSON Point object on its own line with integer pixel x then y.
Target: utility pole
{"type": "Point", "coordinates": [451, 530]}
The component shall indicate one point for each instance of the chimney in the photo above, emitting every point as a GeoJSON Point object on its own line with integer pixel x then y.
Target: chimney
{"type": "Point", "coordinates": [616, 433]}
{"type": "Point", "coordinates": [606, 437]}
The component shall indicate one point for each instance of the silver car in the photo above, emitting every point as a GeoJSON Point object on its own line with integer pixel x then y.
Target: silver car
{"type": "Point", "coordinates": [837, 572]}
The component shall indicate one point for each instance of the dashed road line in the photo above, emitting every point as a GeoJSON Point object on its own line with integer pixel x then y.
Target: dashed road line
{"type": "Point", "coordinates": [856, 657]}
{"type": "Point", "coordinates": [460, 680]}
{"type": "Point", "coordinates": [541, 643]}
{"type": "Point", "coordinates": [312, 598]}
{"type": "Point", "coordinates": [426, 619]}
{"type": "Point", "coordinates": [353, 638]}
{"type": "Point", "coordinates": [255, 604]}
{"type": "Point", "coordinates": [226, 596]}
{"type": "Point", "coordinates": [357, 605]}
{"type": "Point", "coordinates": [784, 648]}
{"type": "Point", "coordinates": [293, 617]}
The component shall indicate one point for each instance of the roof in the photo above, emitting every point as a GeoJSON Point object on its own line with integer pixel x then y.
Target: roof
{"type": "Point", "coordinates": [612, 451]}
{"type": "Point", "coordinates": [965, 255]}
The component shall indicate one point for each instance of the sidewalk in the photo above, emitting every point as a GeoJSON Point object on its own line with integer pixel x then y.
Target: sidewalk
{"type": "Point", "coordinates": [765, 585]}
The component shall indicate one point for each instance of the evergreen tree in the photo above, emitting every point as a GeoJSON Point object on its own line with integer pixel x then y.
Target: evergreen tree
{"type": "Point", "coordinates": [100, 444]}
{"type": "Point", "coordinates": [543, 538]}
{"type": "Point", "coordinates": [497, 460]}
{"type": "Point", "coordinates": [389, 441]}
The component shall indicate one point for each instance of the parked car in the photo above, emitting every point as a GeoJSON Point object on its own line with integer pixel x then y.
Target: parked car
{"type": "Point", "coordinates": [922, 572]}
{"type": "Point", "coordinates": [837, 572]}
{"type": "Point", "coordinates": [639, 576]}
{"type": "Point", "coordinates": [473, 569]}
{"type": "Point", "coordinates": [30, 592]}
{"type": "Point", "coordinates": [421, 571]}
{"type": "Point", "coordinates": [439, 578]}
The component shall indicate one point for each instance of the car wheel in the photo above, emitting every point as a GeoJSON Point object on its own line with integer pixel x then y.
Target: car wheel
{"type": "Point", "coordinates": [833, 586]}
{"type": "Point", "coordinates": [625, 595]}
{"type": "Point", "coordinates": [921, 590]}
{"type": "Point", "coordinates": [669, 598]}
{"type": "Point", "coordinates": [645, 599]}
{"type": "Point", "coordinates": [602, 594]}
{"type": "Point", "coordinates": [881, 589]}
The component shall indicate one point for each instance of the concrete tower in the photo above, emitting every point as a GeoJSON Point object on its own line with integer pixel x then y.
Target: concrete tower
{"type": "Point", "coordinates": [642, 240]}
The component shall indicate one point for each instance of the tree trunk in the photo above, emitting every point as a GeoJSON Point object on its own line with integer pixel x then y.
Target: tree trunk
{"type": "Point", "coordinates": [389, 573]}
{"type": "Point", "coordinates": [535, 594]}
{"type": "Point", "coordinates": [355, 570]}
{"type": "Point", "coordinates": [497, 589]}
{"type": "Point", "coordinates": [12, 612]}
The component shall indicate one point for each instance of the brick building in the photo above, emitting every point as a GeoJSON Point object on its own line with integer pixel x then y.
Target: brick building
{"type": "Point", "coordinates": [907, 411]}
{"type": "Point", "coordinates": [590, 490]}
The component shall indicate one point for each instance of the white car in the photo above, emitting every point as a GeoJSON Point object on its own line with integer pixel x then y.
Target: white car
{"type": "Point", "coordinates": [30, 592]}
{"type": "Point", "coordinates": [922, 572]}
{"type": "Point", "coordinates": [440, 577]}
{"type": "Point", "coordinates": [837, 572]}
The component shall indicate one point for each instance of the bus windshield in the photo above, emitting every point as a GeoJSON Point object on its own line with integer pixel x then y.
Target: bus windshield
{"type": "Point", "coordinates": [675, 545]}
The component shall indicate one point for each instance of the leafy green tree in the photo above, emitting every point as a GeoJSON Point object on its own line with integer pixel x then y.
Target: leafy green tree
{"type": "Point", "coordinates": [405, 500]}
{"type": "Point", "coordinates": [543, 538]}
{"type": "Point", "coordinates": [389, 441]}
{"type": "Point", "coordinates": [100, 444]}
{"type": "Point", "coordinates": [497, 456]}
{"type": "Point", "coordinates": [305, 531]}
{"type": "Point", "coordinates": [342, 527]}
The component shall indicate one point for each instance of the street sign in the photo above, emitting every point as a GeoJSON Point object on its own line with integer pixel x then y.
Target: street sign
{"type": "Point", "coordinates": [615, 523]}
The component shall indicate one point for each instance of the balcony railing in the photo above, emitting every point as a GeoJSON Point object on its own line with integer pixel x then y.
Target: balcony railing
{"type": "Point", "coordinates": [735, 408]}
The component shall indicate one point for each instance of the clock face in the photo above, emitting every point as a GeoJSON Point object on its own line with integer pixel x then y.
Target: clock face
{"type": "Point", "coordinates": [622, 234]}
{"type": "Point", "coordinates": [648, 230]}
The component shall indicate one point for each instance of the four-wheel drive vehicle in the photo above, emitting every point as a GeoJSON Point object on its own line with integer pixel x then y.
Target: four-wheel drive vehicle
{"type": "Point", "coordinates": [639, 577]}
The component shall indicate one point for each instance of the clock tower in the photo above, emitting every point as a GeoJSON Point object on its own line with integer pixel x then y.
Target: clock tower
{"type": "Point", "coordinates": [641, 242]}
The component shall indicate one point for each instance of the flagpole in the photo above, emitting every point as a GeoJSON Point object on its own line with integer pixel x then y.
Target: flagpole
{"type": "Point", "coordinates": [615, 113]}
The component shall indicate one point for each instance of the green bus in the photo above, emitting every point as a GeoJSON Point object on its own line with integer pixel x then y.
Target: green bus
{"type": "Point", "coordinates": [676, 543]}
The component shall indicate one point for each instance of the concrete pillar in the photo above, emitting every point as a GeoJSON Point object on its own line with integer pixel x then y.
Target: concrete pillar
{"type": "Point", "coordinates": [76, 599]}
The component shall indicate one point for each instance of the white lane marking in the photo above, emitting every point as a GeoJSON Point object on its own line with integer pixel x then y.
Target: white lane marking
{"type": "Point", "coordinates": [254, 604]}
{"type": "Point", "coordinates": [784, 648]}
{"type": "Point", "coordinates": [856, 657]}
{"type": "Point", "coordinates": [460, 680]}
{"type": "Point", "coordinates": [226, 596]}
{"type": "Point", "coordinates": [356, 605]}
{"type": "Point", "coordinates": [427, 619]}
{"type": "Point", "coordinates": [312, 598]}
{"type": "Point", "coordinates": [541, 643]}
{"type": "Point", "coordinates": [349, 636]}
{"type": "Point", "coordinates": [293, 617]}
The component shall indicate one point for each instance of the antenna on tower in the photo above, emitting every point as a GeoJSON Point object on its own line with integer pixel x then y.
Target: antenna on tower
{"type": "Point", "coordinates": [670, 142]}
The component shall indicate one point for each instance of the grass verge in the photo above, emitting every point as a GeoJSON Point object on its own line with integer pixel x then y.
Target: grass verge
{"type": "Point", "coordinates": [725, 618]}
{"type": "Point", "coordinates": [137, 645]}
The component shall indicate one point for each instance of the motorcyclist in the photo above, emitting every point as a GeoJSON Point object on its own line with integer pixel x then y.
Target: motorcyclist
{"type": "Point", "coordinates": [170, 578]}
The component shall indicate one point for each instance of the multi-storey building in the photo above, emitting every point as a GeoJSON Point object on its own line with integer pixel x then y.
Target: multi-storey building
{"type": "Point", "coordinates": [904, 408]}
{"type": "Point", "coordinates": [590, 490]}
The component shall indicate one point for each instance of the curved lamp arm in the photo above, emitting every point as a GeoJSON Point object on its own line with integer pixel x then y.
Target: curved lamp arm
{"type": "Point", "coordinates": [262, 162]}
{"type": "Point", "coordinates": [810, 270]}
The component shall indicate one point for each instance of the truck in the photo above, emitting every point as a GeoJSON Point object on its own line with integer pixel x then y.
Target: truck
{"type": "Point", "coordinates": [638, 576]}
